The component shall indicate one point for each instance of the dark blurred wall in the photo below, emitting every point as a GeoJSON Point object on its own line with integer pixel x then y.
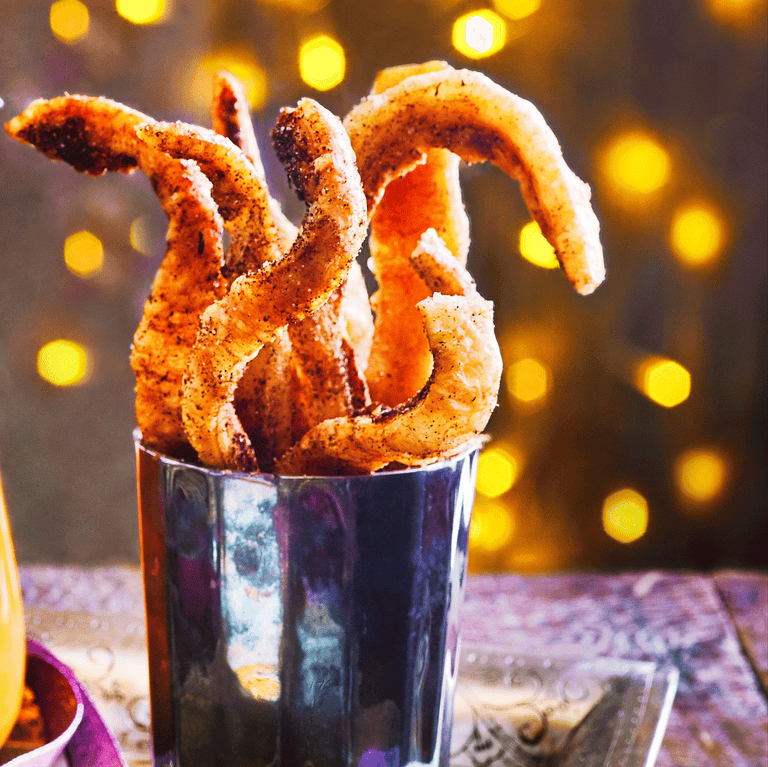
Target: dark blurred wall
{"type": "Point", "coordinates": [692, 80]}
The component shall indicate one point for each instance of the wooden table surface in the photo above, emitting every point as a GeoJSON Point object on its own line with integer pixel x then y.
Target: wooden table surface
{"type": "Point", "coordinates": [712, 627]}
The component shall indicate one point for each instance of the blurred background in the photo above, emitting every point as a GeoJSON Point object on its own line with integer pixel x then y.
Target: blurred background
{"type": "Point", "coordinates": [631, 430]}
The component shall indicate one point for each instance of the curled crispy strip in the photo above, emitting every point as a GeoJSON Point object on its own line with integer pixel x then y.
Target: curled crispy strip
{"type": "Point", "coordinates": [95, 135]}
{"type": "Point", "coordinates": [453, 407]}
{"type": "Point", "coordinates": [231, 117]}
{"type": "Point", "coordinates": [265, 398]}
{"type": "Point", "coordinates": [318, 342]}
{"type": "Point", "coordinates": [438, 268]}
{"type": "Point", "coordinates": [242, 198]}
{"type": "Point", "coordinates": [321, 165]}
{"type": "Point", "coordinates": [469, 114]}
{"type": "Point", "coordinates": [428, 197]}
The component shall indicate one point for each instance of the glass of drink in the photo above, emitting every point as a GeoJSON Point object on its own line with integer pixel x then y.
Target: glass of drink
{"type": "Point", "coordinates": [12, 632]}
{"type": "Point", "coordinates": [303, 620]}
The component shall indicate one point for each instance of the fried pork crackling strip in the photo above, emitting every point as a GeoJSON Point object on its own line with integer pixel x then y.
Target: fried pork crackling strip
{"type": "Point", "coordinates": [320, 342]}
{"type": "Point", "coordinates": [438, 268]}
{"type": "Point", "coordinates": [266, 396]}
{"type": "Point", "coordinates": [429, 196]}
{"type": "Point", "coordinates": [320, 162]}
{"type": "Point", "coordinates": [453, 407]}
{"type": "Point", "coordinates": [242, 199]}
{"type": "Point", "coordinates": [95, 135]}
{"type": "Point", "coordinates": [231, 117]}
{"type": "Point", "coordinates": [478, 120]}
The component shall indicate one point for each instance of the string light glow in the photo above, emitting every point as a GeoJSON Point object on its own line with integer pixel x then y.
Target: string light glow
{"type": "Point", "coordinates": [322, 63]}
{"type": "Point", "coordinates": [62, 363]}
{"type": "Point", "coordinates": [139, 236]}
{"type": "Point", "coordinates": [241, 62]}
{"type": "Point", "coordinates": [479, 34]}
{"type": "Point", "coordinates": [697, 234]}
{"type": "Point", "coordinates": [701, 474]}
{"type": "Point", "coordinates": [535, 248]}
{"type": "Point", "coordinates": [625, 515]}
{"type": "Point", "coordinates": [737, 13]}
{"type": "Point", "coordinates": [664, 381]}
{"type": "Point", "coordinates": [83, 253]}
{"type": "Point", "coordinates": [497, 471]}
{"type": "Point", "coordinates": [492, 528]}
{"type": "Point", "coordinates": [636, 163]}
{"type": "Point", "coordinates": [528, 380]}
{"type": "Point", "coordinates": [141, 11]}
{"type": "Point", "coordinates": [69, 20]}
{"type": "Point", "coordinates": [517, 9]}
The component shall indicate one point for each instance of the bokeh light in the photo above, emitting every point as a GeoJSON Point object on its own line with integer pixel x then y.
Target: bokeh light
{"type": "Point", "coordinates": [636, 163]}
{"type": "Point", "coordinates": [69, 20]}
{"type": "Point", "coordinates": [62, 363]}
{"type": "Point", "coordinates": [138, 234]}
{"type": "Point", "coordinates": [737, 13]}
{"type": "Point", "coordinates": [664, 381]}
{"type": "Point", "coordinates": [625, 515]}
{"type": "Point", "coordinates": [697, 234]}
{"type": "Point", "coordinates": [700, 475]}
{"type": "Point", "coordinates": [517, 9]}
{"type": "Point", "coordinates": [497, 471]}
{"type": "Point", "coordinates": [493, 526]}
{"type": "Point", "coordinates": [535, 248]}
{"type": "Point", "coordinates": [141, 11]}
{"type": "Point", "coordinates": [479, 34]}
{"type": "Point", "coordinates": [83, 253]}
{"type": "Point", "coordinates": [322, 63]}
{"type": "Point", "coordinates": [241, 62]}
{"type": "Point", "coordinates": [528, 380]}
{"type": "Point", "coordinates": [303, 6]}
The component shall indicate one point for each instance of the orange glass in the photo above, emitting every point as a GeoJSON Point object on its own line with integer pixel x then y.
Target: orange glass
{"type": "Point", "coordinates": [12, 633]}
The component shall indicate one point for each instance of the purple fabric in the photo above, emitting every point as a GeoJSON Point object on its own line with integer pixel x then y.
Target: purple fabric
{"type": "Point", "coordinates": [91, 744]}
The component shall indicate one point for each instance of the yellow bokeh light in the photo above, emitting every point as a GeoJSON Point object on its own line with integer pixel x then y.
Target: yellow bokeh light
{"type": "Point", "coordinates": [322, 63]}
{"type": "Point", "coordinates": [637, 163]}
{"type": "Point", "coordinates": [241, 62]}
{"type": "Point", "coordinates": [697, 234]}
{"type": "Point", "coordinates": [497, 471]}
{"type": "Point", "coordinates": [535, 248]}
{"type": "Point", "coordinates": [69, 20]}
{"type": "Point", "coordinates": [701, 474]}
{"type": "Point", "coordinates": [528, 380]}
{"type": "Point", "coordinates": [664, 381]}
{"type": "Point", "coordinates": [493, 526]}
{"type": "Point", "coordinates": [62, 363]}
{"type": "Point", "coordinates": [479, 34]}
{"type": "Point", "coordinates": [141, 11]}
{"type": "Point", "coordinates": [625, 515]}
{"type": "Point", "coordinates": [517, 9]}
{"type": "Point", "coordinates": [139, 236]}
{"type": "Point", "coordinates": [739, 13]}
{"type": "Point", "coordinates": [83, 253]}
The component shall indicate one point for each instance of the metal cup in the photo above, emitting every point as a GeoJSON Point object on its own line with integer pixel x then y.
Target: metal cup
{"type": "Point", "coordinates": [300, 621]}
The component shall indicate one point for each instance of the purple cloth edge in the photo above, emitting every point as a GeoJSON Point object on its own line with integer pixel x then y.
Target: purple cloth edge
{"type": "Point", "coordinates": [92, 744]}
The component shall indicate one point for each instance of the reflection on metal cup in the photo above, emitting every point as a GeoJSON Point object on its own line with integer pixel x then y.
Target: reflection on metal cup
{"type": "Point", "coordinates": [303, 620]}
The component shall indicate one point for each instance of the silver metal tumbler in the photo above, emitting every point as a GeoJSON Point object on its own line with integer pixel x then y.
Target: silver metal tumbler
{"type": "Point", "coordinates": [301, 621]}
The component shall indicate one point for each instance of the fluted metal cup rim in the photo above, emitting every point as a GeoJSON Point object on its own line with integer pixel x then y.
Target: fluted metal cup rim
{"type": "Point", "coordinates": [471, 447]}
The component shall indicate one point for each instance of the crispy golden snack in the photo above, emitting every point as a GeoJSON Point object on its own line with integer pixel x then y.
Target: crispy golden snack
{"type": "Point", "coordinates": [451, 410]}
{"type": "Point", "coordinates": [477, 119]}
{"type": "Point", "coordinates": [429, 197]}
{"type": "Point", "coordinates": [266, 397]}
{"type": "Point", "coordinates": [438, 267]}
{"type": "Point", "coordinates": [242, 199]}
{"type": "Point", "coordinates": [315, 149]}
{"type": "Point", "coordinates": [320, 342]}
{"type": "Point", "coordinates": [95, 135]}
{"type": "Point", "coordinates": [231, 117]}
